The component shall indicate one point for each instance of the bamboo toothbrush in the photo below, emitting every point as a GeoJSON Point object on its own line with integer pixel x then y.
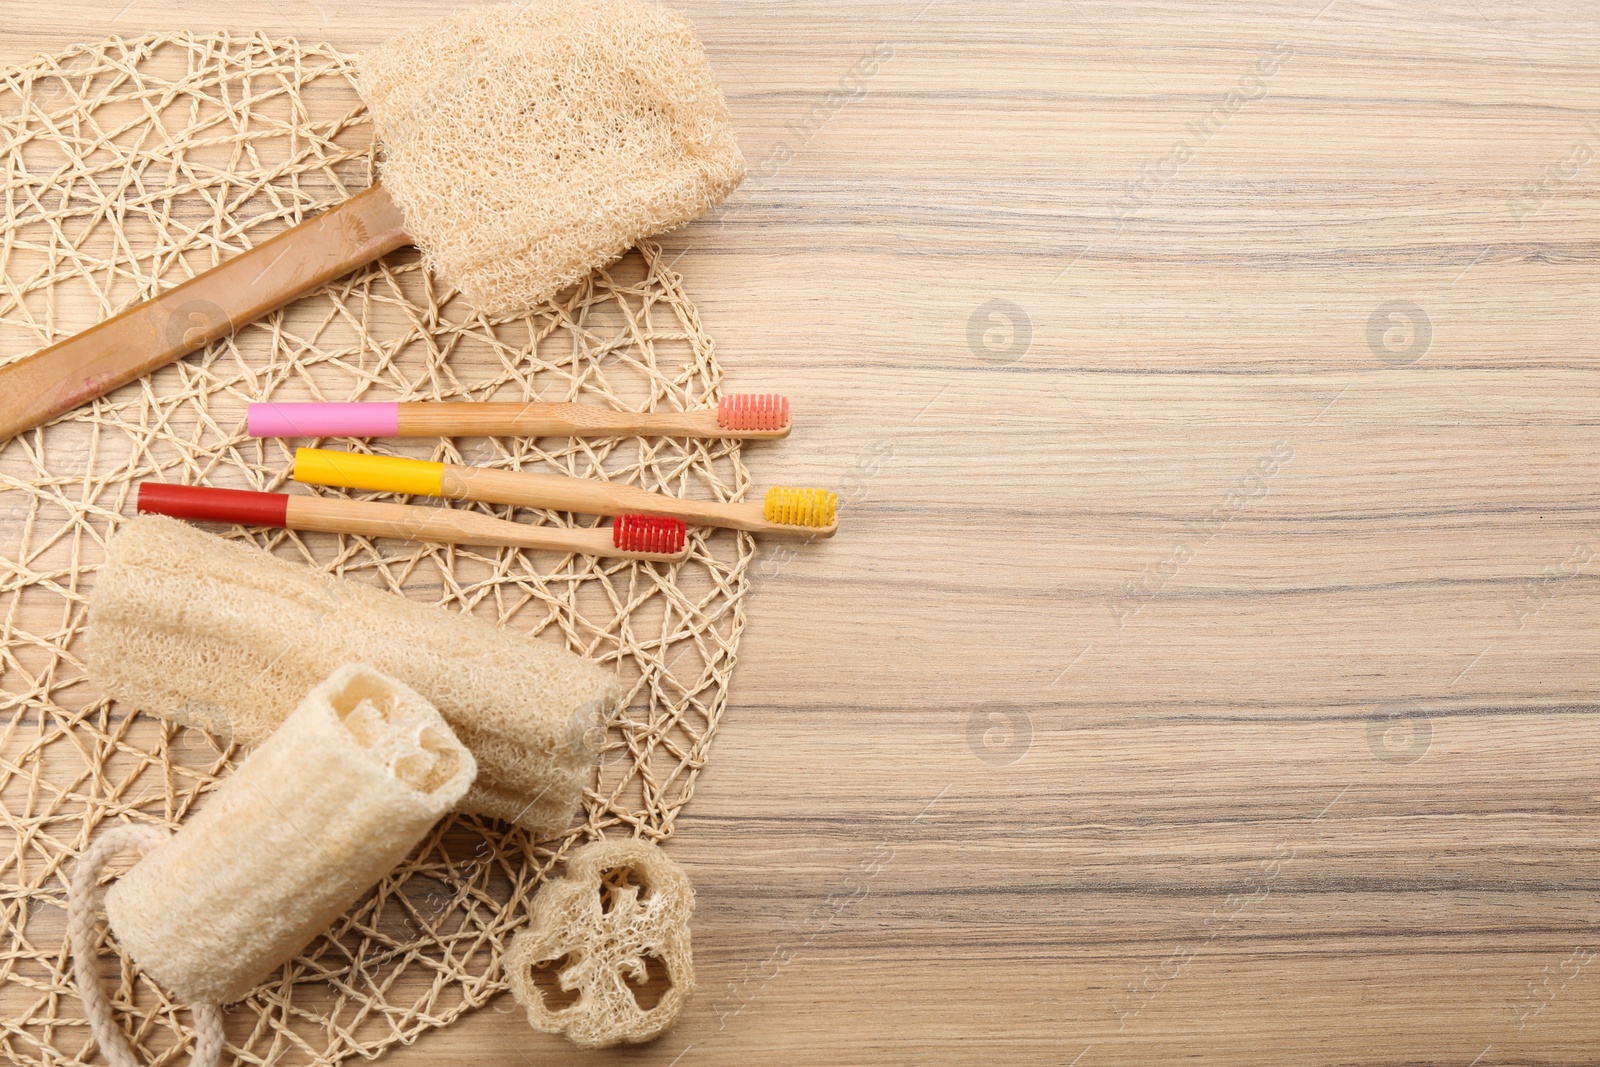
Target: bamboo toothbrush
{"type": "Point", "coordinates": [807, 512]}
{"type": "Point", "coordinates": [743, 415]}
{"type": "Point", "coordinates": [646, 537]}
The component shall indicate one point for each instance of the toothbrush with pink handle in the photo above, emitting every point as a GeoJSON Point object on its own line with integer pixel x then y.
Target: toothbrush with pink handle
{"type": "Point", "coordinates": [743, 415]}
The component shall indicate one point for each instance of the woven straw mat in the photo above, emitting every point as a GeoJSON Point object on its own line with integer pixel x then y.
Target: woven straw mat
{"type": "Point", "coordinates": [129, 166]}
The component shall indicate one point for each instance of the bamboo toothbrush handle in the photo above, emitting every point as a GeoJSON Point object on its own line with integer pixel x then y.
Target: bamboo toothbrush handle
{"type": "Point", "coordinates": [191, 315]}
{"type": "Point", "coordinates": [557, 420]}
{"type": "Point", "coordinates": [588, 497]}
{"type": "Point", "coordinates": [413, 523]}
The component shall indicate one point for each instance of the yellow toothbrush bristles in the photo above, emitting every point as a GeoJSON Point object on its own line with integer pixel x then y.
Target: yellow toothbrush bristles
{"type": "Point", "coordinates": [801, 507]}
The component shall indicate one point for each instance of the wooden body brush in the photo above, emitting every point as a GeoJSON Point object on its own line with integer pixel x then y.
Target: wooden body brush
{"type": "Point", "coordinates": [509, 216]}
{"type": "Point", "coordinates": [189, 316]}
{"type": "Point", "coordinates": [744, 415]}
{"type": "Point", "coordinates": [646, 537]}
{"type": "Point", "coordinates": [804, 512]}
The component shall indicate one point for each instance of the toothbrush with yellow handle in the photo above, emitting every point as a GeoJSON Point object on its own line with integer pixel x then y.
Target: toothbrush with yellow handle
{"type": "Point", "coordinates": [742, 415]}
{"type": "Point", "coordinates": [805, 512]}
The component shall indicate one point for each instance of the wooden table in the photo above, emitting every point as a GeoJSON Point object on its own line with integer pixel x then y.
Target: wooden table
{"type": "Point", "coordinates": [1205, 667]}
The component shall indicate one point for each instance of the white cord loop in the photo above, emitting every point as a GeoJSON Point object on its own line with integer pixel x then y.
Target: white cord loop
{"type": "Point", "coordinates": [84, 901]}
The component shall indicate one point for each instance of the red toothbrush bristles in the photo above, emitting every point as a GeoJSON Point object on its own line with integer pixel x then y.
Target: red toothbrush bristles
{"type": "Point", "coordinates": [753, 411]}
{"type": "Point", "coordinates": [648, 533]}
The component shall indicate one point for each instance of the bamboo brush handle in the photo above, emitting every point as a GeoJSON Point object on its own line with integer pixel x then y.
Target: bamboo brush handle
{"type": "Point", "coordinates": [559, 420]}
{"type": "Point", "coordinates": [413, 523]}
{"type": "Point", "coordinates": [589, 497]}
{"type": "Point", "coordinates": [191, 315]}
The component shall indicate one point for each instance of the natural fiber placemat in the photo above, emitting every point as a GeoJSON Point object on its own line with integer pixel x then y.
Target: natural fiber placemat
{"type": "Point", "coordinates": [130, 165]}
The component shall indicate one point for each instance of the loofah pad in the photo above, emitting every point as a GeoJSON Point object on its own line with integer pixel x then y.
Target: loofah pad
{"type": "Point", "coordinates": [616, 921]}
{"type": "Point", "coordinates": [529, 143]}
{"type": "Point", "coordinates": [322, 810]}
{"type": "Point", "coordinates": [216, 143]}
{"type": "Point", "coordinates": [222, 636]}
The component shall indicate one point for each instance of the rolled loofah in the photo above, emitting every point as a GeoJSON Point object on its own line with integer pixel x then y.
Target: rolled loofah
{"type": "Point", "coordinates": [527, 144]}
{"type": "Point", "coordinates": [620, 904]}
{"type": "Point", "coordinates": [226, 637]}
{"type": "Point", "coordinates": [310, 821]}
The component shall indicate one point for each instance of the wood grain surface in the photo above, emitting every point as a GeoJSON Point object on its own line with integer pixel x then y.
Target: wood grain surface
{"type": "Point", "coordinates": [1204, 669]}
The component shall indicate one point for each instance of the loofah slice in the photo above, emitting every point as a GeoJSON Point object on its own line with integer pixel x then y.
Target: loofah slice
{"type": "Point", "coordinates": [529, 143]}
{"type": "Point", "coordinates": [317, 814]}
{"type": "Point", "coordinates": [223, 636]}
{"type": "Point", "coordinates": [617, 921]}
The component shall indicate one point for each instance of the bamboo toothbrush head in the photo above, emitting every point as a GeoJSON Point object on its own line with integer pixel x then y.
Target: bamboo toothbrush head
{"type": "Point", "coordinates": [649, 533]}
{"type": "Point", "coordinates": [815, 508]}
{"type": "Point", "coordinates": [753, 411]}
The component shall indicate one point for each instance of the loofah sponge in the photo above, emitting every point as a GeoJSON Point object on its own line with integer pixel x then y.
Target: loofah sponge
{"type": "Point", "coordinates": [226, 637]}
{"type": "Point", "coordinates": [312, 819]}
{"type": "Point", "coordinates": [621, 904]}
{"type": "Point", "coordinates": [527, 144]}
